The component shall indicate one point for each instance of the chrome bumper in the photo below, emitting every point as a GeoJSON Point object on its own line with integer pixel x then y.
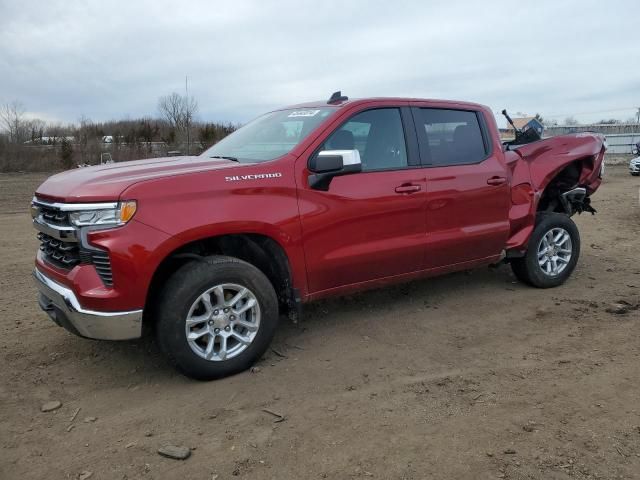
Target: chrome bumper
{"type": "Point", "coordinates": [63, 307]}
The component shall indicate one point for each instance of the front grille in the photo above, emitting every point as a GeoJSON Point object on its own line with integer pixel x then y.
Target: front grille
{"type": "Point", "coordinates": [59, 253]}
{"type": "Point", "coordinates": [67, 254]}
{"type": "Point", "coordinates": [54, 216]}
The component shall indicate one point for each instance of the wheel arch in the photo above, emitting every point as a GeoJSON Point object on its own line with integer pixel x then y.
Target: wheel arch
{"type": "Point", "coordinates": [260, 250]}
{"type": "Point", "coordinates": [559, 181]}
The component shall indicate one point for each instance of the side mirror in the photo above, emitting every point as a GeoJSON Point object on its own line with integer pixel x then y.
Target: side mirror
{"type": "Point", "coordinates": [332, 163]}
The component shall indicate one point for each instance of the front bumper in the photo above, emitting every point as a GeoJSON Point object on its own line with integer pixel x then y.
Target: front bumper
{"type": "Point", "coordinates": [62, 305]}
{"type": "Point", "coordinates": [634, 167]}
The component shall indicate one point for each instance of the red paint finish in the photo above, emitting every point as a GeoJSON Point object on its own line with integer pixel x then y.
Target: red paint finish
{"type": "Point", "coordinates": [369, 228]}
{"type": "Point", "coordinates": [467, 218]}
{"type": "Point", "coordinates": [362, 228]}
{"type": "Point", "coordinates": [104, 183]}
{"type": "Point", "coordinates": [202, 205]}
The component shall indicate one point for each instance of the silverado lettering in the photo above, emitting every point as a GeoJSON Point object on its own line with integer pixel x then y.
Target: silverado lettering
{"type": "Point", "coordinates": [257, 176]}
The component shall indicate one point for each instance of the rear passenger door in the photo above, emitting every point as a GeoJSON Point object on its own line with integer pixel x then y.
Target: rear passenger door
{"type": "Point", "coordinates": [468, 194]}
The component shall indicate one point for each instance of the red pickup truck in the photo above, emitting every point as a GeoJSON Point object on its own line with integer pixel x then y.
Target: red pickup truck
{"type": "Point", "coordinates": [305, 202]}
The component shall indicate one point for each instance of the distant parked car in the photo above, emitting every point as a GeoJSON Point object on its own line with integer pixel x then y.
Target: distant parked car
{"type": "Point", "coordinates": [634, 166]}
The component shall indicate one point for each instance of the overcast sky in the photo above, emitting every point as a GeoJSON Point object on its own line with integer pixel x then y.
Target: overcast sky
{"type": "Point", "coordinates": [110, 59]}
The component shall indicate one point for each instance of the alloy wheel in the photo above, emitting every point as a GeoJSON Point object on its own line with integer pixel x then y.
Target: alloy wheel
{"type": "Point", "coordinates": [554, 251]}
{"type": "Point", "coordinates": [222, 322]}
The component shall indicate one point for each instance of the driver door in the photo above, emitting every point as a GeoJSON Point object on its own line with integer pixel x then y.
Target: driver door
{"type": "Point", "coordinates": [367, 225]}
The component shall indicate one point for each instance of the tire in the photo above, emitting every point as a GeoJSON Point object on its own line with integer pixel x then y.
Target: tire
{"type": "Point", "coordinates": [529, 270]}
{"type": "Point", "coordinates": [184, 297]}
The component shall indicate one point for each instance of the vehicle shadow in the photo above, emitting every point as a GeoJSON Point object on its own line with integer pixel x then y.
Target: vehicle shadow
{"type": "Point", "coordinates": [141, 361]}
{"type": "Point", "coordinates": [325, 316]}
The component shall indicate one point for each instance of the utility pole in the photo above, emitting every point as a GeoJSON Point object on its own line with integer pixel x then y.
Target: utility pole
{"type": "Point", "coordinates": [186, 98]}
{"type": "Point", "coordinates": [638, 116]}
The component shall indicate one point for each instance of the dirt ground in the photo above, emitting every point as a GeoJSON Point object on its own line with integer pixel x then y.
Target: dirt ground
{"type": "Point", "coordinates": [468, 376]}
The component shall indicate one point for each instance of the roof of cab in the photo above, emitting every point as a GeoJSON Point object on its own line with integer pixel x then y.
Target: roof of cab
{"type": "Point", "coordinates": [359, 101]}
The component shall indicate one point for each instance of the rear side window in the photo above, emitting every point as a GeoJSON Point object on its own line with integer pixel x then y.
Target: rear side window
{"type": "Point", "coordinates": [453, 137]}
{"type": "Point", "coordinates": [378, 136]}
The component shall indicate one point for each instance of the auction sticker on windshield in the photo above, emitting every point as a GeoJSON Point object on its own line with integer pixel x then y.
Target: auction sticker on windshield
{"type": "Point", "coordinates": [304, 113]}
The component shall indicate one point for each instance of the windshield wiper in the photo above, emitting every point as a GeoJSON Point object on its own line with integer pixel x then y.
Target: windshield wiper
{"type": "Point", "coordinates": [233, 159]}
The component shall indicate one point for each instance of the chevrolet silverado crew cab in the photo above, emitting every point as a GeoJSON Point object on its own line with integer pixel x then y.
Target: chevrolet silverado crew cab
{"type": "Point", "coordinates": [305, 202]}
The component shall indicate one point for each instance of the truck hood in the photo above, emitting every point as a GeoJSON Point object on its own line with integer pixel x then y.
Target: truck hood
{"type": "Point", "coordinates": [106, 182]}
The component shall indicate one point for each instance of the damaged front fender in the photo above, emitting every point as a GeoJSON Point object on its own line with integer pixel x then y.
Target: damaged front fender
{"type": "Point", "coordinates": [557, 174]}
{"type": "Point", "coordinates": [547, 158]}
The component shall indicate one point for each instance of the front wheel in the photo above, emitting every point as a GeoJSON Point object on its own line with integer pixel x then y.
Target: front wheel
{"type": "Point", "coordinates": [216, 317]}
{"type": "Point", "coordinates": [552, 252]}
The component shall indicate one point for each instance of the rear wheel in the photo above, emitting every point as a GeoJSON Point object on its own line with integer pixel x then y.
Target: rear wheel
{"type": "Point", "coordinates": [216, 317]}
{"type": "Point", "coordinates": [552, 252]}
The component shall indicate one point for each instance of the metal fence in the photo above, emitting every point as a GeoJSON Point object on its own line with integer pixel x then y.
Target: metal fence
{"type": "Point", "coordinates": [622, 143]}
{"type": "Point", "coordinates": [621, 138]}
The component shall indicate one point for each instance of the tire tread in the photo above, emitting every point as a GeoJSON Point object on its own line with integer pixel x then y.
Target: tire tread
{"type": "Point", "coordinates": [526, 268]}
{"type": "Point", "coordinates": [175, 299]}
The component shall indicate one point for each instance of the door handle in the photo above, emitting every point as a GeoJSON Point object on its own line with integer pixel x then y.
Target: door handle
{"type": "Point", "coordinates": [496, 180]}
{"type": "Point", "coordinates": [408, 189]}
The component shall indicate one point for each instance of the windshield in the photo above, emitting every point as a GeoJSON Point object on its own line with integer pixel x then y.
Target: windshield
{"type": "Point", "coordinates": [269, 136]}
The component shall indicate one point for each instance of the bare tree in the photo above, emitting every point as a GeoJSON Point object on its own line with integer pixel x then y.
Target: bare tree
{"type": "Point", "coordinates": [179, 111]}
{"type": "Point", "coordinates": [571, 121]}
{"type": "Point", "coordinates": [12, 118]}
{"type": "Point", "coordinates": [88, 137]}
{"type": "Point", "coordinates": [36, 129]}
{"type": "Point", "coordinates": [66, 153]}
{"type": "Point", "coordinates": [170, 108]}
{"type": "Point", "coordinates": [190, 109]}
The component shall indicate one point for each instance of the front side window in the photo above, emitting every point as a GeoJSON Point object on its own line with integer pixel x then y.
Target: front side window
{"type": "Point", "coordinates": [453, 137]}
{"type": "Point", "coordinates": [270, 136]}
{"type": "Point", "coordinates": [378, 136]}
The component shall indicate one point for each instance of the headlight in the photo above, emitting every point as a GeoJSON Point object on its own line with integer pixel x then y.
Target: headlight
{"type": "Point", "coordinates": [107, 216]}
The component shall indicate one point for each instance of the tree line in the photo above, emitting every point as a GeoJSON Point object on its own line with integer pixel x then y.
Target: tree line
{"type": "Point", "coordinates": [31, 144]}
